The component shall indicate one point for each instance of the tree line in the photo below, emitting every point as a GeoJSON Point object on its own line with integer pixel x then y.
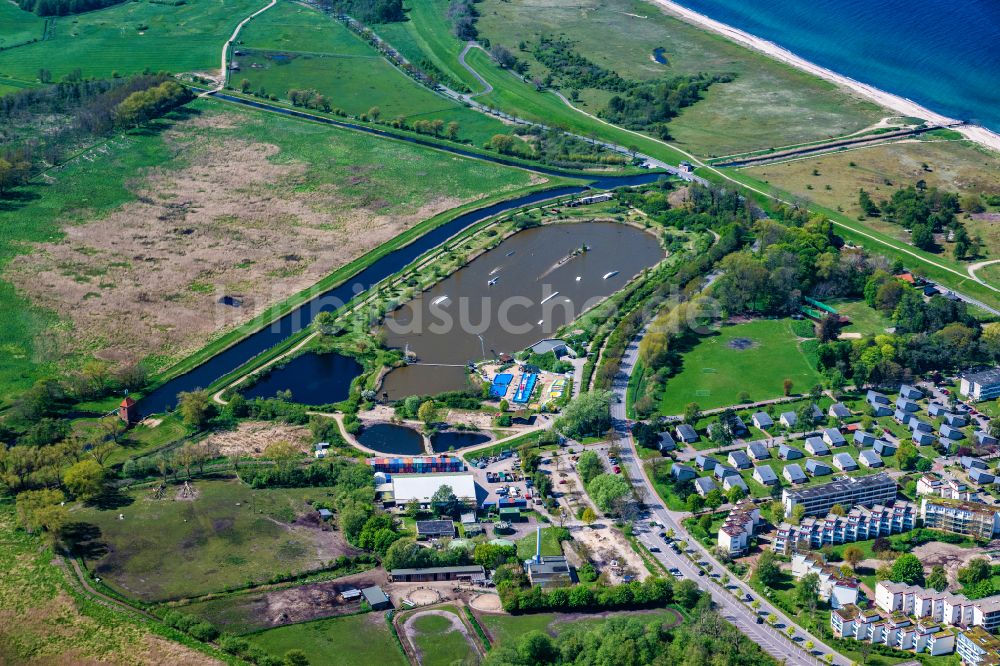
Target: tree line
{"type": "Point", "coordinates": [64, 7]}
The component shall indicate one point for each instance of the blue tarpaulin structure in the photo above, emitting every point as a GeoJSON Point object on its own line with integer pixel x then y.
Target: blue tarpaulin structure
{"type": "Point", "coordinates": [500, 385]}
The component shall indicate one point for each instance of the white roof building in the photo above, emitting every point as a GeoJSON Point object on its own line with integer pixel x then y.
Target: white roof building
{"type": "Point", "coordinates": [421, 487]}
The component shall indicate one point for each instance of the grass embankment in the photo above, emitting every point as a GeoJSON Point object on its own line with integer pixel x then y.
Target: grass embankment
{"type": "Point", "coordinates": [339, 64]}
{"type": "Point", "coordinates": [128, 38]}
{"type": "Point", "coordinates": [18, 26]}
{"type": "Point", "coordinates": [230, 535]}
{"type": "Point", "coordinates": [339, 641]}
{"type": "Point", "coordinates": [754, 357]}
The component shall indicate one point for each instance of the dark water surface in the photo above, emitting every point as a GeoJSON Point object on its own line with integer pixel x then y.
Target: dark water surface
{"type": "Point", "coordinates": [313, 379]}
{"type": "Point", "coordinates": [392, 438]}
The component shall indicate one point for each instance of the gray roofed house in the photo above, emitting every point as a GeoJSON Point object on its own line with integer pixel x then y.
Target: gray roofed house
{"type": "Point", "coordinates": [833, 437]}
{"type": "Point", "coordinates": [794, 474]}
{"type": "Point", "coordinates": [734, 481]}
{"type": "Point", "coordinates": [981, 476]}
{"type": "Point", "coordinates": [876, 398]}
{"type": "Point", "coordinates": [686, 433]}
{"type": "Point", "coordinates": [740, 460]}
{"type": "Point", "coordinates": [376, 598]}
{"type": "Point", "coordinates": [863, 438]}
{"type": "Point", "coordinates": [902, 417]}
{"type": "Point", "coordinates": [703, 485]}
{"type": "Point", "coordinates": [817, 468]}
{"type": "Point", "coordinates": [816, 412]}
{"type": "Point", "coordinates": [844, 462]}
{"type": "Point", "coordinates": [884, 448]}
{"type": "Point", "coordinates": [907, 405]}
{"type": "Point", "coordinates": [758, 450]}
{"type": "Point", "coordinates": [765, 475]}
{"type": "Point", "coordinates": [762, 420]}
{"type": "Point", "coordinates": [956, 420]}
{"type": "Point", "coordinates": [869, 458]}
{"type": "Point", "coordinates": [737, 427]}
{"type": "Point", "coordinates": [951, 433]}
{"type": "Point", "coordinates": [682, 472]}
{"type": "Point", "coordinates": [968, 462]}
{"type": "Point", "coordinates": [816, 446]}
{"type": "Point", "coordinates": [923, 426]}
{"type": "Point", "coordinates": [551, 570]}
{"type": "Point", "coordinates": [435, 529]}
{"type": "Point", "coordinates": [881, 410]}
{"type": "Point", "coordinates": [910, 392]}
{"type": "Point", "coordinates": [839, 410]}
{"type": "Point", "coordinates": [722, 471]}
{"type": "Point", "coordinates": [554, 345]}
{"type": "Point", "coordinates": [786, 452]}
{"type": "Point", "coordinates": [789, 419]}
{"type": "Point", "coordinates": [667, 442]}
{"type": "Point", "coordinates": [705, 462]}
{"type": "Point", "coordinates": [922, 438]}
{"type": "Point", "coordinates": [936, 409]}
{"type": "Point", "coordinates": [985, 438]}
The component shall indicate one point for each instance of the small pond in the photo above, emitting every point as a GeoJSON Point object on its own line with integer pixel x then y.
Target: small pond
{"type": "Point", "coordinates": [392, 438]}
{"type": "Point", "coordinates": [313, 379]}
{"type": "Point", "coordinates": [442, 442]}
{"type": "Point", "coordinates": [659, 55]}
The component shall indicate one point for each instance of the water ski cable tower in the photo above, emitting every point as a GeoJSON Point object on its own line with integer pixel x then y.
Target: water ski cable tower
{"type": "Point", "coordinates": [547, 570]}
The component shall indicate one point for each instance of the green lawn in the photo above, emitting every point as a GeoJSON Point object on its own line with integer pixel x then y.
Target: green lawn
{"type": "Point", "coordinates": [439, 643]}
{"type": "Point", "coordinates": [228, 536]}
{"type": "Point", "coordinates": [131, 37]}
{"type": "Point", "coordinates": [336, 641]}
{"type": "Point", "coordinates": [864, 320]}
{"type": "Point", "coordinates": [714, 373]}
{"type": "Point", "coordinates": [550, 546]}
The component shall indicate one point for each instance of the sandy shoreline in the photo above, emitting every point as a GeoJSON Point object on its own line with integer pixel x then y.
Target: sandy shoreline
{"type": "Point", "coordinates": [895, 103]}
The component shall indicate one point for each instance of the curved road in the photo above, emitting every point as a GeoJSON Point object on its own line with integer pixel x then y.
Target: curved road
{"type": "Point", "coordinates": [224, 72]}
{"type": "Point", "coordinates": [735, 609]}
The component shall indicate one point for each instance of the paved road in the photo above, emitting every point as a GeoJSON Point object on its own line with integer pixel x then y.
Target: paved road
{"type": "Point", "coordinates": [736, 611]}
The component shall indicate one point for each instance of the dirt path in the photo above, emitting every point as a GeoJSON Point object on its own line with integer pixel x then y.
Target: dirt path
{"type": "Point", "coordinates": [980, 264]}
{"type": "Point", "coordinates": [487, 88]}
{"type": "Point", "coordinates": [223, 76]}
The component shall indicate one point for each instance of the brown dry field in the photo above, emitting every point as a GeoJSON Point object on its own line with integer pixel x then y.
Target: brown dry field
{"type": "Point", "coordinates": [146, 279]}
{"type": "Point", "coordinates": [250, 438]}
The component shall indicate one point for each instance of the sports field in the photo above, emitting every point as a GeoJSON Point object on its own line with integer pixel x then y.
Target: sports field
{"type": "Point", "coordinates": [128, 38]}
{"type": "Point", "coordinates": [336, 641]}
{"type": "Point", "coordinates": [755, 357]}
{"type": "Point", "coordinates": [228, 535]}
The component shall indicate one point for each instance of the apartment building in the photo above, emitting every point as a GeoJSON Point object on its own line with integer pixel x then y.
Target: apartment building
{"type": "Point", "coordinates": [974, 519]}
{"type": "Point", "coordinates": [946, 487]}
{"type": "Point", "coordinates": [895, 630]}
{"type": "Point", "coordinates": [984, 385]}
{"type": "Point", "coordinates": [950, 609]}
{"type": "Point", "coordinates": [834, 588]}
{"type": "Point", "coordinates": [859, 524]}
{"type": "Point", "coordinates": [741, 523]}
{"type": "Point", "coordinates": [977, 647]}
{"type": "Point", "coordinates": [862, 490]}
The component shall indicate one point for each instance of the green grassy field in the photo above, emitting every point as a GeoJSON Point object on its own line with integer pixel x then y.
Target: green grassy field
{"type": "Point", "coordinates": [336, 641]}
{"type": "Point", "coordinates": [339, 64]}
{"type": "Point", "coordinates": [769, 104]}
{"type": "Point", "coordinates": [439, 643]}
{"type": "Point", "coordinates": [130, 37]}
{"type": "Point", "coordinates": [713, 373]}
{"type": "Point", "coordinates": [228, 536]}
{"type": "Point", "coordinates": [550, 546]}
{"type": "Point", "coordinates": [18, 26]}
{"type": "Point", "coordinates": [864, 320]}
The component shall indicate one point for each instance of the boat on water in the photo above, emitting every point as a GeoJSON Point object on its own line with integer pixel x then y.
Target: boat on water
{"type": "Point", "coordinates": [493, 281]}
{"type": "Point", "coordinates": [511, 252]}
{"type": "Point", "coordinates": [549, 297]}
{"type": "Point", "coordinates": [439, 300]}
{"type": "Point", "coordinates": [609, 275]}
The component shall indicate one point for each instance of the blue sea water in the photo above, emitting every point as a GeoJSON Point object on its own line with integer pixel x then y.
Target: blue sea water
{"type": "Point", "coordinates": [943, 54]}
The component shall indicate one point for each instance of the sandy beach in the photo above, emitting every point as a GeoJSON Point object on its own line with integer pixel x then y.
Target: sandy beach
{"type": "Point", "coordinates": [895, 103]}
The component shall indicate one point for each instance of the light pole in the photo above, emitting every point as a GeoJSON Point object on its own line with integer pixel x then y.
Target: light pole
{"type": "Point", "coordinates": [482, 344]}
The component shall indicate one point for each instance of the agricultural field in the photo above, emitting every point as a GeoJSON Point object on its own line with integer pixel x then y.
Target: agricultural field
{"type": "Point", "coordinates": [226, 536]}
{"type": "Point", "coordinates": [339, 64]}
{"type": "Point", "coordinates": [769, 104]}
{"type": "Point", "coordinates": [336, 641]}
{"type": "Point", "coordinates": [64, 627]}
{"type": "Point", "coordinates": [755, 357]}
{"type": "Point", "coordinates": [138, 239]}
{"type": "Point", "coordinates": [129, 38]}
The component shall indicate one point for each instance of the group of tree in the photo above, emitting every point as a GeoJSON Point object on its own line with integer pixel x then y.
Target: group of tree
{"type": "Point", "coordinates": [651, 592]}
{"type": "Point", "coordinates": [310, 99]}
{"type": "Point", "coordinates": [649, 107]}
{"type": "Point", "coordinates": [976, 578]}
{"type": "Point", "coordinates": [463, 14]}
{"type": "Point", "coordinates": [703, 639]}
{"type": "Point", "coordinates": [570, 69]}
{"type": "Point", "coordinates": [372, 11]}
{"type": "Point", "coordinates": [588, 414]}
{"type": "Point", "coordinates": [42, 125]}
{"type": "Point", "coordinates": [926, 212]}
